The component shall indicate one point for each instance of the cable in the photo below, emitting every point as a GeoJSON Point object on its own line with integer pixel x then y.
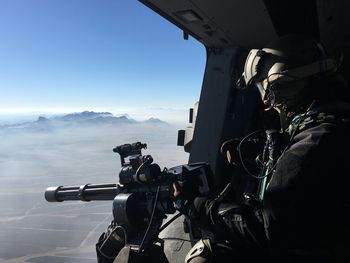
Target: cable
{"type": "Point", "coordinates": [240, 152]}
{"type": "Point", "coordinates": [152, 215]}
{"type": "Point", "coordinates": [107, 238]}
{"type": "Point", "coordinates": [224, 192]}
{"type": "Point", "coordinates": [170, 221]}
{"type": "Point", "coordinates": [284, 150]}
{"type": "Point", "coordinates": [103, 254]}
{"type": "Point", "coordinates": [178, 239]}
{"type": "Point", "coordinates": [148, 160]}
{"type": "Point", "coordinates": [113, 230]}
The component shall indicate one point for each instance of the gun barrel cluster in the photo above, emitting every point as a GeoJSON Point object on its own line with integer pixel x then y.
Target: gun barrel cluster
{"type": "Point", "coordinates": [87, 192]}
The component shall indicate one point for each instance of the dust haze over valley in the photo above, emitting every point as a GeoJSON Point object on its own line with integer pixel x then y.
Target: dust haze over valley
{"type": "Point", "coordinates": [74, 149]}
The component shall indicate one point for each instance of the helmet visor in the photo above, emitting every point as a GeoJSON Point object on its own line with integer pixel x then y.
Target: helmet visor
{"type": "Point", "coordinates": [251, 66]}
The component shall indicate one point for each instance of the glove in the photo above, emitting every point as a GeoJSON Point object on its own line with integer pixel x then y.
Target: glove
{"type": "Point", "coordinates": [181, 199]}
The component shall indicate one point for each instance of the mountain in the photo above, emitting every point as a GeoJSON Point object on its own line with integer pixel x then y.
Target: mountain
{"type": "Point", "coordinates": [154, 120]}
{"type": "Point", "coordinates": [91, 117]}
{"type": "Point", "coordinates": [44, 124]}
{"type": "Point", "coordinates": [83, 116]}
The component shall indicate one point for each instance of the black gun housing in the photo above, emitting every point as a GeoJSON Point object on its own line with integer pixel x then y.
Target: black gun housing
{"type": "Point", "coordinates": [141, 184]}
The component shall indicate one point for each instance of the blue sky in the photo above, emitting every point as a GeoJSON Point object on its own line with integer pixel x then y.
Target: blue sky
{"type": "Point", "coordinates": [116, 55]}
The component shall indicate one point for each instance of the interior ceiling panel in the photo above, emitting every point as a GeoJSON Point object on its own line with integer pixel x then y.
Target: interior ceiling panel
{"type": "Point", "coordinates": [252, 23]}
{"type": "Point", "coordinates": [220, 23]}
{"type": "Point", "coordinates": [244, 23]}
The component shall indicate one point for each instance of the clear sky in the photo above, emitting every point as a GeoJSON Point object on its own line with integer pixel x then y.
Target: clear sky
{"type": "Point", "coordinates": [116, 55]}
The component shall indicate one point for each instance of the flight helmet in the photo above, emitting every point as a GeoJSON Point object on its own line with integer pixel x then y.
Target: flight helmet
{"type": "Point", "coordinates": [281, 69]}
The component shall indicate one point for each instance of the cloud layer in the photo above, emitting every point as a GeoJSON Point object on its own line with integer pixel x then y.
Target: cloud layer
{"type": "Point", "coordinates": [32, 160]}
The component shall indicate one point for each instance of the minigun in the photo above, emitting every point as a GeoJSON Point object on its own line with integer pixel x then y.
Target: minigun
{"type": "Point", "coordinates": [143, 196]}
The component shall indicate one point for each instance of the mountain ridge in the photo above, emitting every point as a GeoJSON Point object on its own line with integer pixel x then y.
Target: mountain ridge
{"type": "Point", "coordinates": [77, 119]}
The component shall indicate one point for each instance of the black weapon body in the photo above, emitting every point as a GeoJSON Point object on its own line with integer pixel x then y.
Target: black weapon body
{"type": "Point", "coordinates": [143, 196]}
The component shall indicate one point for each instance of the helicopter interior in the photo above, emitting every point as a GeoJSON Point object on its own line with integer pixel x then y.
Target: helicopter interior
{"type": "Point", "coordinates": [228, 29]}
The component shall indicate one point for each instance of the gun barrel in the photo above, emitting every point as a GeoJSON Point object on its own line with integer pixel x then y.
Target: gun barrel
{"type": "Point", "coordinates": [87, 192]}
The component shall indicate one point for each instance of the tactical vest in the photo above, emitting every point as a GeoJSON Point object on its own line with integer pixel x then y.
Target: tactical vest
{"type": "Point", "coordinates": [336, 113]}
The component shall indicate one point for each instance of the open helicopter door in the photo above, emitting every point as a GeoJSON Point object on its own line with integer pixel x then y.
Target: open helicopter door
{"type": "Point", "coordinates": [228, 29]}
{"type": "Point", "coordinates": [222, 111]}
